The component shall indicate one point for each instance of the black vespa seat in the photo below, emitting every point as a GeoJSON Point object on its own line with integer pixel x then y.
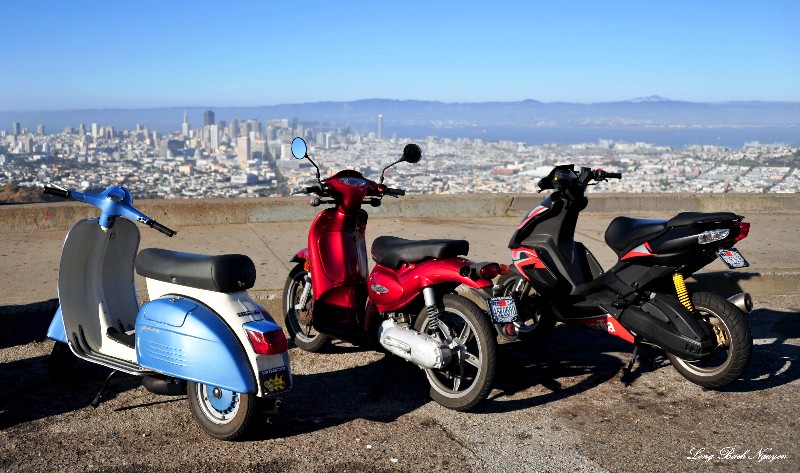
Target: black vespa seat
{"type": "Point", "coordinates": [689, 218]}
{"type": "Point", "coordinates": [220, 273]}
{"type": "Point", "coordinates": [393, 251]}
{"type": "Point", "coordinates": [623, 232]}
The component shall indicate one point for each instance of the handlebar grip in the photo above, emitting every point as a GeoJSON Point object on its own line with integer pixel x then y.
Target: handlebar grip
{"type": "Point", "coordinates": [56, 192]}
{"type": "Point", "coordinates": [614, 175]}
{"type": "Point", "coordinates": [398, 192]}
{"type": "Point", "coordinates": [161, 228]}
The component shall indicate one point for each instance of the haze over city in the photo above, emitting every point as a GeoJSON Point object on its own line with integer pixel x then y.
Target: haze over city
{"type": "Point", "coordinates": [85, 55]}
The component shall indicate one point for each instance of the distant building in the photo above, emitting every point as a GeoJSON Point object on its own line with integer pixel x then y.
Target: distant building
{"type": "Point", "coordinates": [380, 127]}
{"type": "Point", "coordinates": [16, 129]}
{"type": "Point", "coordinates": [40, 129]}
{"type": "Point", "coordinates": [243, 151]}
{"type": "Point", "coordinates": [185, 126]}
{"type": "Point", "coordinates": [170, 148]}
{"type": "Point", "coordinates": [95, 130]}
{"type": "Point", "coordinates": [208, 118]}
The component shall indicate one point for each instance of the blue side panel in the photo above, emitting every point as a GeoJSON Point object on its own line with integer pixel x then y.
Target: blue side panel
{"type": "Point", "coordinates": [56, 331]}
{"type": "Point", "coordinates": [203, 349]}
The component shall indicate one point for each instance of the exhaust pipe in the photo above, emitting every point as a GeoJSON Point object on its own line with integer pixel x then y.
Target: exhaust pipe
{"type": "Point", "coordinates": [271, 407]}
{"type": "Point", "coordinates": [743, 301]}
{"type": "Point", "coordinates": [410, 345]}
{"type": "Point", "coordinates": [164, 386]}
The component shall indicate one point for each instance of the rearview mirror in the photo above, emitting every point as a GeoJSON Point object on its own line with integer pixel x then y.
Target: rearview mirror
{"type": "Point", "coordinates": [299, 148]}
{"type": "Point", "coordinates": [412, 153]}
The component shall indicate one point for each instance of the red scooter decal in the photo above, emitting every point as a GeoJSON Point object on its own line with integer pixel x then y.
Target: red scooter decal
{"type": "Point", "coordinates": [641, 250]}
{"type": "Point", "coordinates": [606, 323]}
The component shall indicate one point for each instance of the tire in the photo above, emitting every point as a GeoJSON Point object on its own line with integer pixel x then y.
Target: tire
{"type": "Point", "coordinates": [298, 322]}
{"type": "Point", "coordinates": [535, 319]}
{"type": "Point", "coordinates": [466, 380]}
{"type": "Point", "coordinates": [223, 414]}
{"type": "Point", "coordinates": [731, 358]}
{"type": "Point", "coordinates": [61, 363]}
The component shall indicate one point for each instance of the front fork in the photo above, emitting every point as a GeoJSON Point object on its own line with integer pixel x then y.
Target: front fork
{"type": "Point", "coordinates": [301, 304]}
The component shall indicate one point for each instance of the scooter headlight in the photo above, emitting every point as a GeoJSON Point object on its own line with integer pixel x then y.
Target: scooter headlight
{"type": "Point", "coordinates": [712, 236]}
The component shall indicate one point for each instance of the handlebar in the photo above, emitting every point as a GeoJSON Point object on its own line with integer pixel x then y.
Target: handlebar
{"type": "Point", "coordinates": [161, 228]}
{"type": "Point", "coordinates": [56, 191]}
{"type": "Point", "coordinates": [394, 192]}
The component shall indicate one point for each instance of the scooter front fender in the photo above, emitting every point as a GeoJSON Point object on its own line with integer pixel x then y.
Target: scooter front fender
{"type": "Point", "coordinates": [300, 256]}
{"type": "Point", "coordinates": [56, 331]}
{"type": "Point", "coordinates": [184, 339]}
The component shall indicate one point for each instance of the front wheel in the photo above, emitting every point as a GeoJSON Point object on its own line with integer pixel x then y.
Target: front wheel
{"type": "Point", "coordinates": [734, 343]}
{"type": "Point", "coordinates": [298, 303]}
{"type": "Point", "coordinates": [468, 378]}
{"type": "Point", "coordinates": [535, 321]}
{"type": "Point", "coordinates": [223, 414]}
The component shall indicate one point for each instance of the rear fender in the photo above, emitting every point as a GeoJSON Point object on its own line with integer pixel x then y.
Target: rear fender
{"type": "Point", "coordinates": [184, 339]}
{"type": "Point", "coordinates": [394, 289]}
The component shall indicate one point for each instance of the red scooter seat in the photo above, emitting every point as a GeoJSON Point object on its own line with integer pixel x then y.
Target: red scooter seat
{"type": "Point", "coordinates": [393, 251]}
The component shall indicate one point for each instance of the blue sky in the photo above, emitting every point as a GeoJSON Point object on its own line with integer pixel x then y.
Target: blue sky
{"type": "Point", "coordinates": [123, 54]}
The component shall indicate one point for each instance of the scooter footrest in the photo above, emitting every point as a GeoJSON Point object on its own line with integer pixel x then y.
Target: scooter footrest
{"type": "Point", "coordinates": [121, 337]}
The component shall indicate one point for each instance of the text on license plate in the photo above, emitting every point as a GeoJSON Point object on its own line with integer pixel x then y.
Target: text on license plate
{"type": "Point", "coordinates": [503, 309]}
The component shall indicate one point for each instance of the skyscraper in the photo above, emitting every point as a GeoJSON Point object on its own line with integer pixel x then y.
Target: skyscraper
{"type": "Point", "coordinates": [40, 129]}
{"type": "Point", "coordinates": [380, 127]}
{"type": "Point", "coordinates": [185, 126]}
{"type": "Point", "coordinates": [208, 118]}
{"type": "Point", "coordinates": [16, 129]}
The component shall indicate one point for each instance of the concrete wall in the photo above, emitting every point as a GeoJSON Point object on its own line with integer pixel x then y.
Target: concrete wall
{"type": "Point", "coordinates": [26, 218]}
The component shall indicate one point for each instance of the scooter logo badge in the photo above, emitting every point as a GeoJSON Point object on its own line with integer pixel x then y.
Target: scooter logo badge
{"type": "Point", "coordinates": [379, 289]}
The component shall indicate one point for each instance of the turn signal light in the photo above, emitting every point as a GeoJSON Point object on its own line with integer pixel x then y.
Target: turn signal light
{"type": "Point", "coordinates": [744, 229]}
{"type": "Point", "coordinates": [268, 343]}
{"type": "Point", "coordinates": [504, 269]}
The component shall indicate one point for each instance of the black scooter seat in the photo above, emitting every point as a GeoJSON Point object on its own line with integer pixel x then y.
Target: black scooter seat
{"type": "Point", "coordinates": [689, 218]}
{"type": "Point", "coordinates": [220, 273]}
{"type": "Point", "coordinates": [623, 231]}
{"type": "Point", "coordinates": [393, 251]}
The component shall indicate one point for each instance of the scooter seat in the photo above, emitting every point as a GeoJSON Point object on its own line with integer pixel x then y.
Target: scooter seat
{"type": "Point", "coordinates": [393, 251]}
{"type": "Point", "coordinates": [623, 232]}
{"type": "Point", "coordinates": [220, 273]}
{"type": "Point", "coordinates": [688, 218]}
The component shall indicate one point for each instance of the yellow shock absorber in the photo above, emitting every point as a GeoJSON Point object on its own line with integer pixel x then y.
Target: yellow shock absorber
{"type": "Point", "coordinates": [683, 294]}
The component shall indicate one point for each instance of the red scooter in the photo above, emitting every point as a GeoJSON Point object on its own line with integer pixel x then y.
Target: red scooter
{"type": "Point", "coordinates": [407, 305]}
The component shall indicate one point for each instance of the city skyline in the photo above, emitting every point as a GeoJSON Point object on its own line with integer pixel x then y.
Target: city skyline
{"type": "Point", "coordinates": [78, 55]}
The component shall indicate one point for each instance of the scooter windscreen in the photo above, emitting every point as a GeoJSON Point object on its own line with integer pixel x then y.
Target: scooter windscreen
{"type": "Point", "coordinates": [562, 171]}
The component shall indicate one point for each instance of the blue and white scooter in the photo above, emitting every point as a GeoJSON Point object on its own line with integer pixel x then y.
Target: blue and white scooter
{"type": "Point", "coordinates": [199, 334]}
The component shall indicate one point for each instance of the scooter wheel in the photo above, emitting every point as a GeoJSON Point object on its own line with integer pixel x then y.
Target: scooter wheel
{"type": "Point", "coordinates": [734, 343]}
{"type": "Point", "coordinates": [536, 321]}
{"type": "Point", "coordinates": [223, 414]}
{"type": "Point", "coordinates": [468, 378]}
{"type": "Point", "coordinates": [298, 321]}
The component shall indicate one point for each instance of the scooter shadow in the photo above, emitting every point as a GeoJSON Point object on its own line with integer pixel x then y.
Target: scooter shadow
{"type": "Point", "coordinates": [776, 351]}
{"type": "Point", "coordinates": [381, 391]}
{"type": "Point", "coordinates": [569, 361]}
{"type": "Point", "coordinates": [27, 393]}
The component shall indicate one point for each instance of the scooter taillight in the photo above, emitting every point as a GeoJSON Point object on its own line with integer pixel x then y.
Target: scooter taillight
{"type": "Point", "coordinates": [268, 343]}
{"type": "Point", "coordinates": [744, 229]}
{"type": "Point", "coordinates": [490, 271]}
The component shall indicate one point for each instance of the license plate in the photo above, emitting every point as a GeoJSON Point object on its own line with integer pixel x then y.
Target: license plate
{"type": "Point", "coordinates": [503, 309]}
{"type": "Point", "coordinates": [732, 258]}
{"type": "Point", "coordinates": [276, 380]}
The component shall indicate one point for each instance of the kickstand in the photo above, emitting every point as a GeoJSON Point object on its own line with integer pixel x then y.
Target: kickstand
{"type": "Point", "coordinates": [96, 401]}
{"type": "Point", "coordinates": [626, 377]}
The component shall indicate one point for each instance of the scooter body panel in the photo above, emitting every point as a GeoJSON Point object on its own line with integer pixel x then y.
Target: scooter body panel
{"type": "Point", "coordinates": [183, 339]}
{"type": "Point", "coordinates": [233, 310]}
{"type": "Point", "coordinates": [392, 290]}
{"type": "Point", "coordinates": [56, 329]}
{"type": "Point", "coordinates": [95, 285]}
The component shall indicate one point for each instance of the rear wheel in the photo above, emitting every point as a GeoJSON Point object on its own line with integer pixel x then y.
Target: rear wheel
{"type": "Point", "coordinates": [223, 414]}
{"type": "Point", "coordinates": [298, 312]}
{"type": "Point", "coordinates": [468, 378]}
{"type": "Point", "coordinates": [535, 319]}
{"type": "Point", "coordinates": [734, 347]}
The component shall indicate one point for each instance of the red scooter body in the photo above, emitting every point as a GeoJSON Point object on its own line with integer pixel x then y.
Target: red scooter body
{"type": "Point", "coordinates": [406, 306]}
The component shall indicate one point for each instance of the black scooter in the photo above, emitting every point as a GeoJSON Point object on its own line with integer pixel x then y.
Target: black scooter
{"type": "Point", "coordinates": [643, 298]}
